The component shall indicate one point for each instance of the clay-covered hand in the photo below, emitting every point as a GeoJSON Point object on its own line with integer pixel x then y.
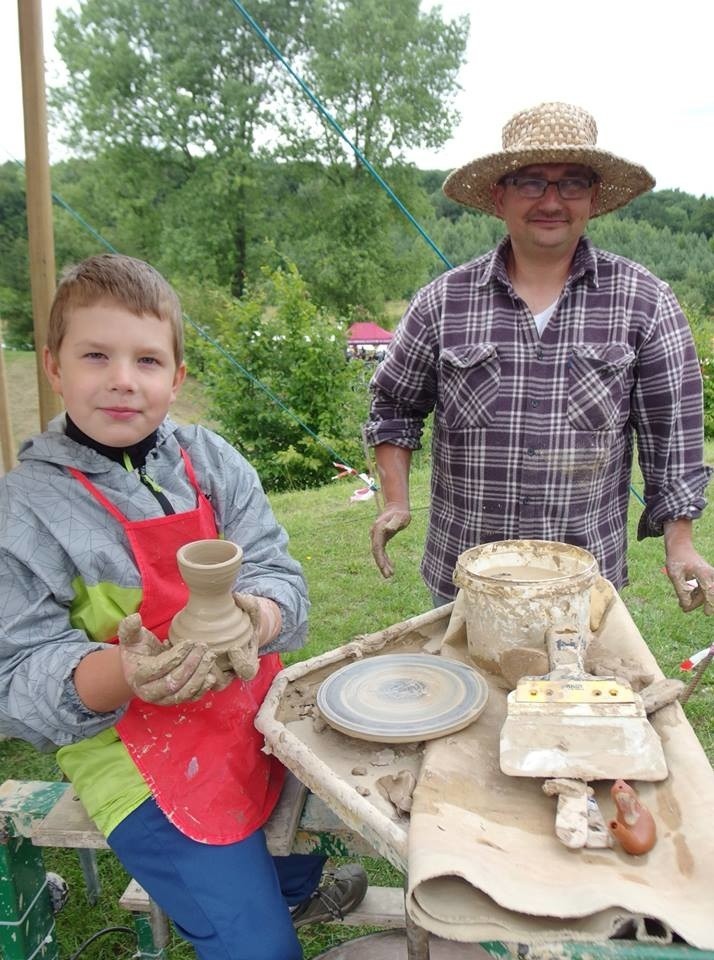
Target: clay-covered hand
{"type": "Point", "coordinates": [166, 675]}
{"type": "Point", "coordinates": [266, 623]}
{"type": "Point", "coordinates": [394, 517]}
{"type": "Point", "coordinates": [693, 580]}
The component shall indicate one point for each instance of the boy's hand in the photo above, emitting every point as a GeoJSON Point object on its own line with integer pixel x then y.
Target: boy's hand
{"type": "Point", "coordinates": [166, 675]}
{"type": "Point", "coordinates": [266, 621]}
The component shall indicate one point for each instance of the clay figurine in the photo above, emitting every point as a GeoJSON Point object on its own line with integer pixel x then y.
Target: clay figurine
{"type": "Point", "coordinates": [209, 569]}
{"type": "Point", "coordinates": [634, 826]}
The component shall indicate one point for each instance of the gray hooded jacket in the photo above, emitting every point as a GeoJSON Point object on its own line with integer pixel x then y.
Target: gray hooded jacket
{"type": "Point", "coordinates": [57, 542]}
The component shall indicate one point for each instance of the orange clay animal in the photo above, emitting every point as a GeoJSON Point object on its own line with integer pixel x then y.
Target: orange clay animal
{"type": "Point", "coordinates": [634, 827]}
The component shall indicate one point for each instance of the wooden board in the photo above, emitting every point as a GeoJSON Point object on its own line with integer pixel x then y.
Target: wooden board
{"type": "Point", "coordinates": [68, 824]}
{"type": "Point", "coordinates": [381, 907]}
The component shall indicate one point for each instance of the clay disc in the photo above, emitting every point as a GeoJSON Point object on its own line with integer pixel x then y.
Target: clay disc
{"type": "Point", "coordinates": [402, 697]}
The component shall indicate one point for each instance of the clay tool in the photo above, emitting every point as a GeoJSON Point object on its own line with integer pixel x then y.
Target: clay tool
{"type": "Point", "coordinates": [571, 724]}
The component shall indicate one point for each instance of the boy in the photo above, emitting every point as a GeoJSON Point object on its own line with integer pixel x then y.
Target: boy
{"type": "Point", "coordinates": [159, 744]}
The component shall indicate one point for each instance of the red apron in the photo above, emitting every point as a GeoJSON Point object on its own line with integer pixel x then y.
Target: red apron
{"type": "Point", "coordinates": [202, 760]}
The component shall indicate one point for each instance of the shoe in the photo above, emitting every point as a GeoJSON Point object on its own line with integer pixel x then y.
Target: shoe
{"type": "Point", "coordinates": [58, 891]}
{"type": "Point", "coordinates": [340, 892]}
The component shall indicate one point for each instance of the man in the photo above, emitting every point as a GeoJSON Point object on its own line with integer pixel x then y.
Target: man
{"type": "Point", "coordinates": [543, 361]}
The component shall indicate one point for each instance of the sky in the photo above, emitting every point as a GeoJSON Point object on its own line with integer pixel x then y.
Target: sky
{"type": "Point", "coordinates": [642, 69]}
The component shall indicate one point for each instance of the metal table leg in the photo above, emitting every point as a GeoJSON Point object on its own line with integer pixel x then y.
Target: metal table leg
{"type": "Point", "coordinates": [88, 863]}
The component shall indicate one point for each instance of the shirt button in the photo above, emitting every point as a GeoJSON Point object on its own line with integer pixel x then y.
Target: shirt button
{"type": "Point", "coordinates": [534, 402]}
{"type": "Point", "coordinates": [526, 500]}
{"type": "Point", "coordinates": [530, 451]}
{"type": "Point", "coordinates": [539, 353]}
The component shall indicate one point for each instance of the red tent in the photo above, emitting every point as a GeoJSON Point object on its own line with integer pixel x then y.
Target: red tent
{"type": "Point", "coordinates": [363, 334]}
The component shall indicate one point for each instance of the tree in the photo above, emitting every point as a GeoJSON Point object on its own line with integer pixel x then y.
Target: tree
{"type": "Point", "coordinates": [387, 72]}
{"type": "Point", "coordinates": [178, 82]}
{"type": "Point", "coordinates": [183, 107]}
{"type": "Point", "coordinates": [15, 304]}
{"type": "Point", "coordinates": [702, 220]}
{"type": "Point", "coordinates": [353, 246]}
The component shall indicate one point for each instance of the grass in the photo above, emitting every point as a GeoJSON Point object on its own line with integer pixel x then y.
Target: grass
{"type": "Point", "coordinates": [330, 537]}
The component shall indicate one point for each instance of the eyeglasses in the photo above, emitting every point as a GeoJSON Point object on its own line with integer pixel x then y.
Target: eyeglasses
{"type": "Point", "coordinates": [569, 188]}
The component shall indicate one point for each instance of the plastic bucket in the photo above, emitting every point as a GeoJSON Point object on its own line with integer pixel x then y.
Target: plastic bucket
{"type": "Point", "coordinates": [515, 590]}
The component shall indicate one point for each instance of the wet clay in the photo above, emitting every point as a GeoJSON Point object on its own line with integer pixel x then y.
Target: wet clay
{"type": "Point", "coordinates": [602, 662]}
{"type": "Point", "coordinates": [520, 662]}
{"type": "Point", "coordinates": [634, 826]}
{"type": "Point", "coordinates": [209, 569]}
{"type": "Point", "coordinates": [523, 573]}
{"type": "Point", "coordinates": [398, 790]}
{"type": "Point", "coordinates": [661, 693]}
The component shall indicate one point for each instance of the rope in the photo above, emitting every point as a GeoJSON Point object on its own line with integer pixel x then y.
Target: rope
{"type": "Point", "coordinates": [699, 673]}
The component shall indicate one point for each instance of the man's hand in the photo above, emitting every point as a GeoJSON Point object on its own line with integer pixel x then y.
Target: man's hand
{"type": "Point", "coordinates": [684, 564]}
{"type": "Point", "coordinates": [266, 623]}
{"type": "Point", "coordinates": [166, 675]}
{"type": "Point", "coordinates": [394, 517]}
{"type": "Point", "coordinates": [693, 568]}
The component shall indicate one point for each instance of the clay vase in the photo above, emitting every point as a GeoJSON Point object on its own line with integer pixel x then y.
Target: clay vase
{"type": "Point", "coordinates": [209, 569]}
{"type": "Point", "coordinates": [634, 826]}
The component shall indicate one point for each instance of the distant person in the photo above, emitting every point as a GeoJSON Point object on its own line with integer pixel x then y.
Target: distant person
{"type": "Point", "coordinates": [159, 743]}
{"type": "Point", "coordinates": [543, 361]}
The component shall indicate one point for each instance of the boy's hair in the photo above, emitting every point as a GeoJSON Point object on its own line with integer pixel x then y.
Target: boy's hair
{"type": "Point", "coordinates": [131, 283]}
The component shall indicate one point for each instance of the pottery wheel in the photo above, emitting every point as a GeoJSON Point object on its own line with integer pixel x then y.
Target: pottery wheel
{"type": "Point", "coordinates": [402, 698]}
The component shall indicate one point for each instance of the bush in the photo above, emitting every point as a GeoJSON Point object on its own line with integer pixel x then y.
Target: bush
{"type": "Point", "coordinates": [283, 390]}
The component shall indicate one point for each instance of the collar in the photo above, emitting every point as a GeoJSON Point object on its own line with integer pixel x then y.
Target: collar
{"type": "Point", "coordinates": [137, 452]}
{"type": "Point", "coordinates": [584, 264]}
{"type": "Point", "coordinates": [496, 265]}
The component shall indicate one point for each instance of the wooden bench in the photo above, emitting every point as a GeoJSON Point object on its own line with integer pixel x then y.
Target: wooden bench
{"type": "Point", "coordinates": [36, 814]}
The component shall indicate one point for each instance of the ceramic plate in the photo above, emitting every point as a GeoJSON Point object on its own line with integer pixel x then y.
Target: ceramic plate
{"type": "Point", "coordinates": [400, 698]}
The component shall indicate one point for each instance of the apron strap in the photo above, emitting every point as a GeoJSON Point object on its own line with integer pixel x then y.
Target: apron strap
{"type": "Point", "coordinates": [107, 504]}
{"type": "Point", "coordinates": [189, 470]}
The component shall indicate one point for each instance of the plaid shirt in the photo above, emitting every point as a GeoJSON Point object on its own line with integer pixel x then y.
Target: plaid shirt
{"type": "Point", "coordinates": [534, 436]}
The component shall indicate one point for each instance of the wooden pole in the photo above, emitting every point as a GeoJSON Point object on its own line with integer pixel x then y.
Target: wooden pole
{"type": "Point", "coordinates": [6, 442]}
{"type": "Point", "coordinates": [39, 192]}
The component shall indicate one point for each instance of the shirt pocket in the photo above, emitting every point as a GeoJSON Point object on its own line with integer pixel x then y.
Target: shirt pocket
{"type": "Point", "coordinates": [469, 381]}
{"type": "Point", "coordinates": [598, 383]}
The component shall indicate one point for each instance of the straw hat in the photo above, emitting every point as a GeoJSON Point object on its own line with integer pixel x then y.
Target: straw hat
{"type": "Point", "coordinates": [549, 133]}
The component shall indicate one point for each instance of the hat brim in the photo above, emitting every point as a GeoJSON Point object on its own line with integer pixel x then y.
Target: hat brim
{"type": "Point", "coordinates": [620, 180]}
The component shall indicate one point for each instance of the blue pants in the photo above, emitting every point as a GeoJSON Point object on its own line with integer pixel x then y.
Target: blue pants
{"type": "Point", "coordinates": [231, 902]}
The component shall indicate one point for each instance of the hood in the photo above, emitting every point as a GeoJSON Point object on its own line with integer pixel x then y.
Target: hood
{"type": "Point", "coordinates": [54, 446]}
